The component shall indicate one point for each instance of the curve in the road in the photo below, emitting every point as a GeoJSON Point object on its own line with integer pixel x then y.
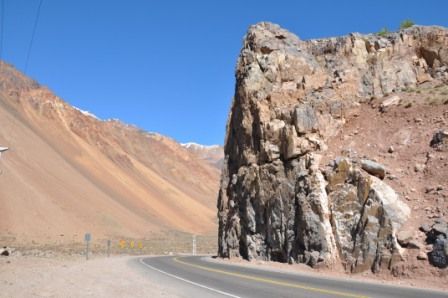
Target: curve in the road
{"type": "Point", "coordinates": [214, 279]}
{"type": "Point", "coordinates": [271, 281]}
{"type": "Point", "coordinates": [189, 281]}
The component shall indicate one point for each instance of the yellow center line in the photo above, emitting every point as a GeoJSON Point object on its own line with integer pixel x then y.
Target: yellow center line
{"type": "Point", "coordinates": [270, 281]}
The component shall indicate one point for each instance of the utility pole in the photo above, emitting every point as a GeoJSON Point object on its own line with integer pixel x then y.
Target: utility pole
{"type": "Point", "coordinates": [194, 245]}
{"type": "Point", "coordinates": [108, 248]}
{"type": "Point", "coordinates": [2, 149]}
{"type": "Point", "coordinates": [87, 238]}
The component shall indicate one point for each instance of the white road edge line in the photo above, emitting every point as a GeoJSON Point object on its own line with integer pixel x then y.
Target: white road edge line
{"type": "Point", "coordinates": [188, 281]}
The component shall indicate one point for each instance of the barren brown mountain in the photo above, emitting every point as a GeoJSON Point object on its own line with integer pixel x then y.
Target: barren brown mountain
{"type": "Point", "coordinates": [68, 172]}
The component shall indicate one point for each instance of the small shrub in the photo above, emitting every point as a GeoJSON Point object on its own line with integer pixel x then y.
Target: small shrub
{"type": "Point", "coordinates": [383, 32]}
{"type": "Point", "coordinates": [432, 101]}
{"type": "Point", "coordinates": [406, 24]}
{"type": "Point", "coordinates": [408, 105]}
{"type": "Point", "coordinates": [408, 90]}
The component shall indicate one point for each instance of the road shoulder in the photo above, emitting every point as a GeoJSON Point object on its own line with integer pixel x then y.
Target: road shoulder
{"type": "Point", "coordinates": [386, 279]}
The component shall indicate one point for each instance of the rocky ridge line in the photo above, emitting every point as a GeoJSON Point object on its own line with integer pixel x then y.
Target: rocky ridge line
{"type": "Point", "coordinates": [276, 201]}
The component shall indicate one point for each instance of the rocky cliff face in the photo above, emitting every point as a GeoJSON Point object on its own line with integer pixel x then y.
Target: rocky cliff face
{"type": "Point", "coordinates": [277, 201]}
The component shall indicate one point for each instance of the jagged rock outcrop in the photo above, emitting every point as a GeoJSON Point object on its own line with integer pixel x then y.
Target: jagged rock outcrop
{"type": "Point", "coordinates": [291, 95]}
{"type": "Point", "coordinates": [366, 216]}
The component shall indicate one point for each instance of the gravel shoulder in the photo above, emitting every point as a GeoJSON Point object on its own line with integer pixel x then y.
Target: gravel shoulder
{"type": "Point", "coordinates": [117, 276]}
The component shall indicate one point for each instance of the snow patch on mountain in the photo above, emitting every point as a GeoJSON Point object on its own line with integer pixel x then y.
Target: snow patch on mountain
{"type": "Point", "coordinates": [87, 113]}
{"type": "Point", "coordinates": [192, 145]}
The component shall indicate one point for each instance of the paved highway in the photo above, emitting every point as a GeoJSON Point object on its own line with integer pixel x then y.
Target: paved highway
{"type": "Point", "coordinates": [197, 277]}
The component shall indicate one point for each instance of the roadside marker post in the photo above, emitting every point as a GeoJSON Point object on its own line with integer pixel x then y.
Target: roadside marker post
{"type": "Point", "coordinates": [87, 238]}
{"type": "Point", "coordinates": [2, 149]}
{"type": "Point", "coordinates": [108, 248]}
{"type": "Point", "coordinates": [194, 245]}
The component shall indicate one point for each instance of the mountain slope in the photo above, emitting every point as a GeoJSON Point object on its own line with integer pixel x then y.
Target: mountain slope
{"type": "Point", "coordinates": [213, 154]}
{"type": "Point", "coordinates": [68, 172]}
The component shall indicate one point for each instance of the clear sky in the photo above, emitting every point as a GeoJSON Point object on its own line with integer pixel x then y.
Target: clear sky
{"type": "Point", "coordinates": [168, 66]}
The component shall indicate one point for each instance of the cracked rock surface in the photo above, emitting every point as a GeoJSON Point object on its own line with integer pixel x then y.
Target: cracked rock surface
{"type": "Point", "coordinates": [276, 200]}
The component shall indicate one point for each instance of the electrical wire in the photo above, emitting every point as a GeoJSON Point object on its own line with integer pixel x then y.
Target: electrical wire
{"type": "Point", "coordinates": [36, 21]}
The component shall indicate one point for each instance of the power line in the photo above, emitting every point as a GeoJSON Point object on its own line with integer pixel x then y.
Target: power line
{"type": "Point", "coordinates": [32, 36]}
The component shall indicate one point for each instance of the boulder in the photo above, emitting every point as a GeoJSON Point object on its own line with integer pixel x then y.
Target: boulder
{"type": "Point", "coordinates": [437, 235]}
{"type": "Point", "coordinates": [405, 237]}
{"type": "Point", "coordinates": [413, 244]}
{"type": "Point", "coordinates": [366, 216]}
{"type": "Point", "coordinates": [425, 228]}
{"type": "Point", "coordinates": [439, 255]}
{"type": "Point", "coordinates": [439, 230]}
{"type": "Point", "coordinates": [373, 168]}
{"type": "Point", "coordinates": [422, 256]}
{"type": "Point", "coordinates": [305, 119]}
{"type": "Point", "coordinates": [390, 101]}
{"type": "Point", "coordinates": [439, 139]}
{"type": "Point", "coordinates": [5, 251]}
{"type": "Point", "coordinates": [314, 258]}
{"type": "Point", "coordinates": [418, 167]}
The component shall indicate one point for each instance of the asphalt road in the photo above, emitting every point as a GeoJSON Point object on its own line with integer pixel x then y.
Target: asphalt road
{"type": "Point", "coordinates": [197, 277]}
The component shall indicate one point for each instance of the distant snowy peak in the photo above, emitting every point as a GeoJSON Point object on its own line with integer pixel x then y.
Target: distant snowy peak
{"type": "Point", "coordinates": [87, 113]}
{"type": "Point", "coordinates": [192, 145]}
{"type": "Point", "coordinates": [213, 154]}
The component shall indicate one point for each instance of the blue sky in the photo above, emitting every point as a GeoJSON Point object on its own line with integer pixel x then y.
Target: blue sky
{"type": "Point", "coordinates": [168, 66]}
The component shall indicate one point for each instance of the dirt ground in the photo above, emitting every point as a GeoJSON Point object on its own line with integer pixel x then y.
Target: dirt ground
{"type": "Point", "coordinates": [399, 138]}
{"type": "Point", "coordinates": [28, 276]}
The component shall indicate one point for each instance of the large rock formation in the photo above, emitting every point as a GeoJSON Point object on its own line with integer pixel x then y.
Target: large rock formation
{"type": "Point", "coordinates": [276, 201]}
